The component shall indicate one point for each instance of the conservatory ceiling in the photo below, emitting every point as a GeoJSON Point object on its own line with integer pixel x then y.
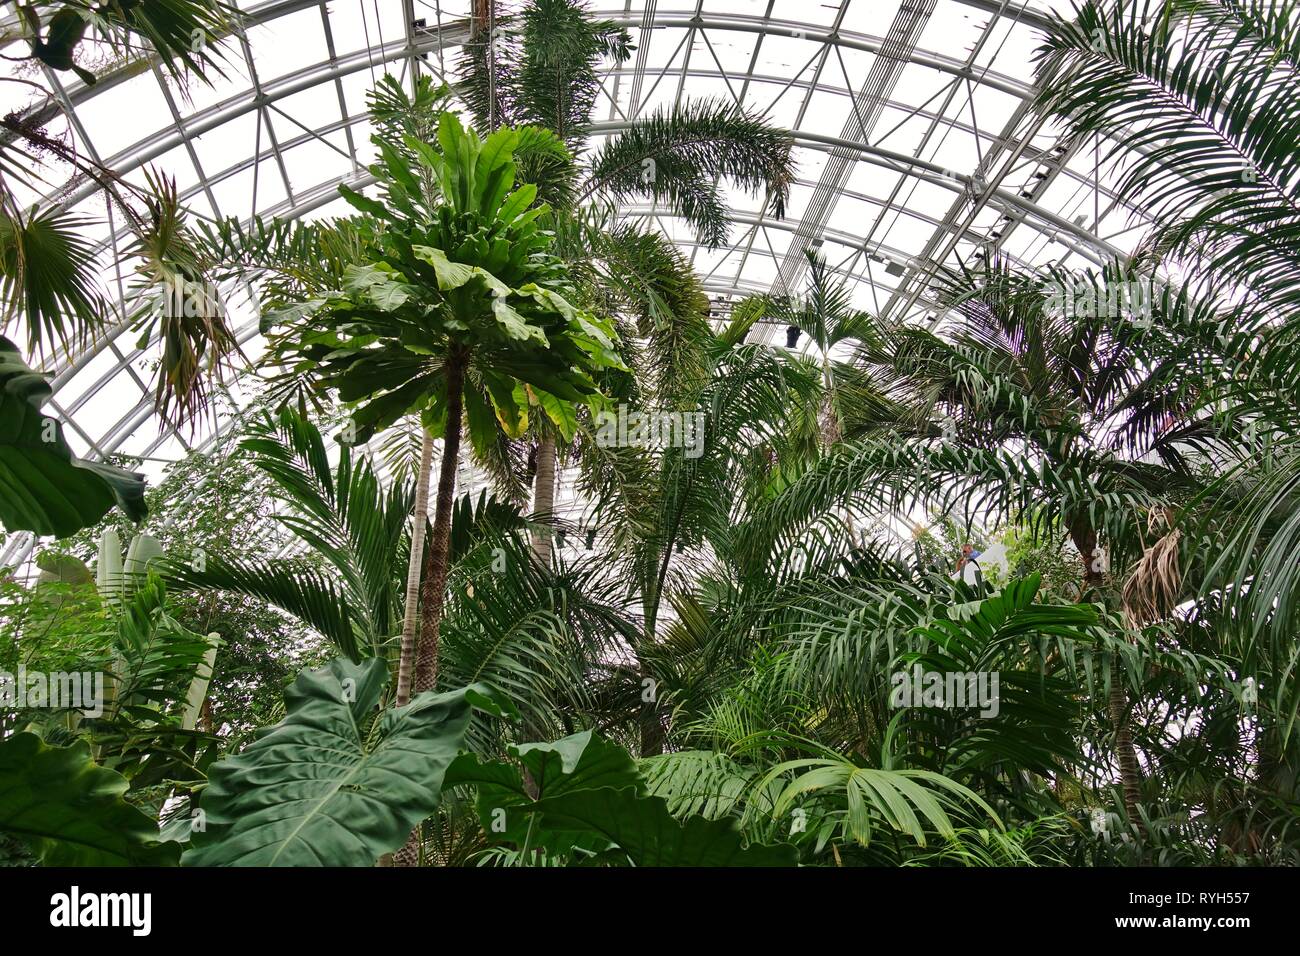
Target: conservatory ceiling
{"type": "Point", "coordinates": [914, 140]}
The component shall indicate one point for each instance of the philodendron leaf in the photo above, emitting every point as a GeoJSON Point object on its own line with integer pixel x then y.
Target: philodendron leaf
{"type": "Point", "coordinates": [70, 810]}
{"type": "Point", "coordinates": [580, 761]}
{"type": "Point", "coordinates": [322, 789]}
{"type": "Point", "coordinates": [586, 792]}
{"type": "Point", "coordinates": [642, 831]}
{"type": "Point", "coordinates": [43, 487]}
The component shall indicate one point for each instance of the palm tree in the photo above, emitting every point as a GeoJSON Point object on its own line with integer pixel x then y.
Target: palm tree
{"type": "Point", "coordinates": [849, 405]}
{"type": "Point", "coordinates": [1194, 100]}
{"type": "Point", "coordinates": [540, 67]}
{"type": "Point", "coordinates": [440, 301]}
{"type": "Point", "coordinates": [1195, 89]}
{"type": "Point", "coordinates": [48, 271]}
{"type": "Point", "coordinates": [1030, 410]}
{"type": "Point", "coordinates": [667, 513]}
{"type": "Point", "coordinates": [351, 529]}
{"type": "Point", "coordinates": [809, 722]}
{"type": "Point", "coordinates": [478, 337]}
{"type": "Point", "coordinates": [760, 630]}
{"type": "Point", "coordinates": [534, 633]}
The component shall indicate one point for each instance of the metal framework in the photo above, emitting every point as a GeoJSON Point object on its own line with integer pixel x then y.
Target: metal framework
{"type": "Point", "coordinates": [912, 120]}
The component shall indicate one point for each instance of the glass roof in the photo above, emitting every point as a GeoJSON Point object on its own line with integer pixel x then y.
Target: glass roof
{"type": "Point", "coordinates": [914, 142]}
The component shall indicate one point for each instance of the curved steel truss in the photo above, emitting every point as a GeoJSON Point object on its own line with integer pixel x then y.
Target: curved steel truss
{"type": "Point", "coordinates": [917, 147]}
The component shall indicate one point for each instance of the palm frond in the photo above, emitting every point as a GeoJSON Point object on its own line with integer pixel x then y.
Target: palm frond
{"type": "Point", "coordinates": [676, 156]}
{"type": "Point", "coordinates": [179, 302]}
{"type": "Point", "coordinates": [1196, 101]}
{"type": "Point", "coordinates": [46, 279]}
{"type": "Point", "coordinates": [296, 587]}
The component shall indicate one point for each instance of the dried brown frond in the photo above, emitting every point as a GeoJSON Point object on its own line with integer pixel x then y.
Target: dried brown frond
{"type": "Point", "coordinates": [1152, 589]}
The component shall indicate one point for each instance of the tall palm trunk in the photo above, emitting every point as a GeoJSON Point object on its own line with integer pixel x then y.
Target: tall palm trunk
{"type": "Point", "coordinates": [544, 499]}
{"type": "Point", "coordinates": [433, 587]}
{"type": "Point", "coordinates": [406, 662]}
{"type": "Point", "coordinates": [482, 17]}
{"type": "Point", "coordinates": [433, 592]}
{"type": "Point", "coordinates": [652, 728]}
{"type": "Point", "coordinates": [830, 419]}
{"type": "Point", "coordinates": [829, 424]}
{"type": "Point", "coordinates": [1130, 773]}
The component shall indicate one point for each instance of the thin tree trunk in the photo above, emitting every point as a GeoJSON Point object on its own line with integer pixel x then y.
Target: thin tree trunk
{"type": "Point", "coordinates": [1130, 772]}
{"type": "Point", "coordinates": [433, 589]}
{"type": "Point", "coordinates": [481, 14]}
{"type": "Point", "coordinates": [544, 499]}
{"type": "Point", "coordinates": [482, 18]}
{"type": "Point", "coordinates": [830, 420]}
{"type": "Point", "coordinates": [406, 662]}
{"type": "Point", "coordinates": [830, 426]}
{"type": "Point", "coordinates": [433, 592]}
{"type": "Point", "coordinates": [652, 730]}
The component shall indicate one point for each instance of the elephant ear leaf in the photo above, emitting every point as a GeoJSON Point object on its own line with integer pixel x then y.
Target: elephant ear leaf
{"type": "Point", "coordinates": [70, 810]}
{"type": "Point", "coordinates": [326, 786]}
{"type": "Point", "coordinates": [580, 761]}
{"type": "Point", "coordinates": [642, 831]}
{"type": "Point", "coordinates": [585, 792]}
{"type": "Point", "coordinates": [44, 488]}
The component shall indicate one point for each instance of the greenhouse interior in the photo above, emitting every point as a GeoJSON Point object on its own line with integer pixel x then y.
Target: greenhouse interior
{"type": "Point", "coordinates": [621, 433]}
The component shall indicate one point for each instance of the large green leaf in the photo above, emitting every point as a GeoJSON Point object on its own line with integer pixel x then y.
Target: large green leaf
{"type": "Point", "coordinates": [580, 761]}
{"type": "Point", "coordinates": [70, 810]}
{"type": "Point", "coordinates": [325, 787]}
{"type": "Point", "coordinates": [907, 801]}
{"type": "Point", "coordinates": [642, 830]}
{"type": "Point", "coordinates": [453, 275]}
{"type": "Point", "coordinates": [47, 269]}
{"type": "Point", "coordinates": [585, 792]}
{"type": "Point", "coordinates": [380, 283]}
{"type": "Point", "coordinates": [43, 487]}
{"type": "Point", "coordinates": [560, 412]}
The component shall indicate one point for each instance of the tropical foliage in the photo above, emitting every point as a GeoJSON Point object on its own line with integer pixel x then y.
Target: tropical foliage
{"type": "Point", "coordinates": [49, 284]}
{"type": "Point", "coordinates": [755, 646]}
